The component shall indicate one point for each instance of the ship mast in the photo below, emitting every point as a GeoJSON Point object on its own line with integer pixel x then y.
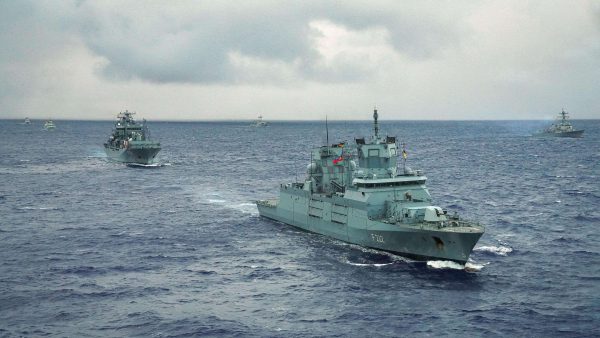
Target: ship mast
{"type": "Point", "coordinates": [375, 124]}
{"type": "Point", "coordinates": [564, 115]}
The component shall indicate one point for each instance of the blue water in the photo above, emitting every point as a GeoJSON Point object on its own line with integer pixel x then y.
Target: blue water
{"type": "Point", "coordinates": [90, 248]}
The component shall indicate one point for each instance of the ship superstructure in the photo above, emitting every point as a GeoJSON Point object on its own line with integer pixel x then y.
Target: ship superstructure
{"type": "Point", "coordinates": [373, 203]}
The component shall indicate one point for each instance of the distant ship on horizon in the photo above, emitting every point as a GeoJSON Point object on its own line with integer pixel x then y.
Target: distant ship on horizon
{"type": "Point", "coordinates": [49, 125]}
{"type": "Point", "coordinates": [562, 128]}
{"type": "Point", "coordinates": [259, 122]}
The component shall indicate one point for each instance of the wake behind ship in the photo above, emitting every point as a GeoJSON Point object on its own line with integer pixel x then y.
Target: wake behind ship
{"type": "Point", "coordinates": [372, 204]}
{"type": "Point", "coordinates": [130, 141]}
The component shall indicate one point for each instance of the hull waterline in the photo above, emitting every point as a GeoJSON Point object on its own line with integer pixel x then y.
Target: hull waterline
{"type": "Point", "coordinates": [141, 156]}
{"type": "Point", "coordinates": [451, 244]}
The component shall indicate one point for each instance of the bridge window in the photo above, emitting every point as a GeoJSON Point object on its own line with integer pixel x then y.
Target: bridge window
{"type": "Point", "coordinates": [374, 152]}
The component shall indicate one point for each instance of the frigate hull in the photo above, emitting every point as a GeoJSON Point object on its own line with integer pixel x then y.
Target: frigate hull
{"type": "Point", "coordinates": [418, 242]}
{"type": "Point", "coordinates": [371, 203]}
{"type": "Point", "coordinates": [571, 134]}
{"type": "Point", "coordinates": [144, 155]}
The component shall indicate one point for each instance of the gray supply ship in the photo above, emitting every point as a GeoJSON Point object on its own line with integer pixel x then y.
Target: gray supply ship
{"type": "Point", "coordinates": [562, 128]}
{"type": "Point", "coordinates": [130, 141]}
{"type": "Point", "coordinates": [372, 203]}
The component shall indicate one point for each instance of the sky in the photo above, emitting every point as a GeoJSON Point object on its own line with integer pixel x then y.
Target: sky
{"type": "Point", "coordinates": [300, 60]}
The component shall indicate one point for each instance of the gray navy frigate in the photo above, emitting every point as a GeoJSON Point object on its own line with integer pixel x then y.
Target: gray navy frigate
{"type": "Point", "coordinates": [562, 128]}
{"type": "Point", "coordinates": [372, 203]}
{"type": "Point", "coordinates": [130, 141]}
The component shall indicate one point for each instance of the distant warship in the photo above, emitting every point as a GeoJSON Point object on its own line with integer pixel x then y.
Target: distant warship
{"type": "Point", "coordinates": [49, 125]}
{"type": "Point", "coordinates": [371, 203]}
{"type": "Point", "coordinates": [562, 128]}
{"type": "Point", "coordinates": [129, 142]}
{"type": "Point", "coordinates": [259, 122]}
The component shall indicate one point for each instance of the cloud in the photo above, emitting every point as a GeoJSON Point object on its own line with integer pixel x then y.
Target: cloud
{"type": "Point", "coordinates": [203, 42]}
{"type": "Point", "coordinates": [421, 59]}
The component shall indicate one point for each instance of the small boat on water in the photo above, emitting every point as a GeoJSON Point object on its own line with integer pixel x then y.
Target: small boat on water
{"type": "Point", "coordinates": [27, 121]}
{"type": "Point", "coordinates": [259, 122]}
{"type": "Point", "coordinates": [562, 128]}
{"type": "Point", "coordinates": [49, 125]}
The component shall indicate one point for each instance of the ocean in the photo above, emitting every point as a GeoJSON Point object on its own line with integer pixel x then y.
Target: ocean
{"type": "Point", "coordinates": [92, 248]}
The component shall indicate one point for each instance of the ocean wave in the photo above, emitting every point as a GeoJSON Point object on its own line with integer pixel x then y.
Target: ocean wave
{"type": "Point", "coordinates": [247, 208]}
{"type": "Point", "coordinates": [244, 207]}
{"type": "Point", "coordinates": [587, 218]}
{"type": "Point", "coordinates": [490, 203]}
{"type": "Point", "coordinates": [576, 193]}
{"type": "Point", "coordinates": [498, 250]}
{"type": "Point", "coordinates": [39, 208]}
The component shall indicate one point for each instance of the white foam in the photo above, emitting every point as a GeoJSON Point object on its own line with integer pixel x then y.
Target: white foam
{"type": "Point", "coordinates": [445, 265]}
{"type": "Point", "coordinates": [152, 165]}
{"type": "Point", "coordinates": [216, 201]}
{"type": "Point", "coordinates": [38, 208]}
{"type": "Point", "coordinates": [492, 203]}
{"type": "Point", "coordinates": [498, 250]}
{"type": "Point", "coordinates": [474, 267]}
{"type": "Point", "coordinates": [247, 208]}
{"type": "Point", "coordinates": [368, 264]}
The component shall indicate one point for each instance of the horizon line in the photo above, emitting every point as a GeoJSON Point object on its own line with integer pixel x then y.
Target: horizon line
{"type": "Point", "coordinates": [293, 120]}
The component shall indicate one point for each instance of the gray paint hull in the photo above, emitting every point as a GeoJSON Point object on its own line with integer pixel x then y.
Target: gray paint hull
{"type": "Point", "coordinates": [572, 134]}
{"type": "Point", "coordinates": [133, 155]}
{"type": "Point", "coordinates": [413, 241]}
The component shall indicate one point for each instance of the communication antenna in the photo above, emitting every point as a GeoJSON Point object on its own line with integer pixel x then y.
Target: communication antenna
{"type": "Point", "coordinates": [404, 156]}
{"type": "Point", "coordinates": [327, 131]}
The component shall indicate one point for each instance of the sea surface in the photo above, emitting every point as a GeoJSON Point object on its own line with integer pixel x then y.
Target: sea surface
{"type": "Point", "coordinates": [91, 248]}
